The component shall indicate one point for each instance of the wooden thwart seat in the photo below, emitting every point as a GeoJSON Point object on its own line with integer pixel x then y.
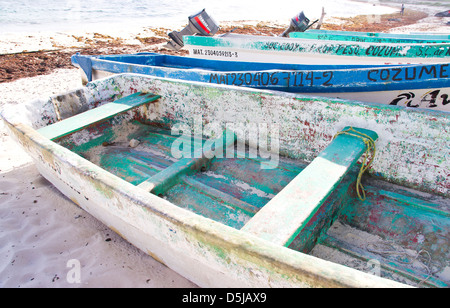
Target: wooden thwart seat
{"type": "Point", "coordinates": [96, 115]}
{"type": "Point", "coordinates": [164, 180]}
{"type": "Point", "coordinates": [287, 214]}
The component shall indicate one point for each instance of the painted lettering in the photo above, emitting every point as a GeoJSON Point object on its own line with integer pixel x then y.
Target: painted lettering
{"type": "Point", "coordinates": [213, 78]}
{"type": "Point", "coordinates": [408, 73]}
{"type": "Point", "coordinates": [338, 49]}
{"type": "Point", "coordinates": [397, 72]}
{"type": "Point", "coordinates": [371, 75]}
{"type": "Point", "coordinates": [240, 79]}
{"type": "Point", "coordinates": [410, 76]}
{"type": "Point", "coordinates": [233, 75]}
{"type": "Point", "coordinates": [443, 71]}
{"type": "Point", "coordinates": [281, 79]}
{"type": "Point", "coordinates": [287, 79]}
{"type": "Point", "coordinates": [420, 52]}
{"type": "Point", "coordinates": [384, 51]}
{"type": "Point", "coordinates": [384, 74]}
{"type": "Point", "coordinates": [439, 52]}
{"type": "Point", "coordinates": [347, 51]}
{"type": "Point", "coordinates": [265, 78]}
{"type": "Point", "coordinates": [328, 75]}
{"type": "Point", "coordinates": [404, 96]}
{"type": "Point", "coordinates": [350, 50]}
{"type": "Point", "coordinates": [445, 99]}
{"type": "Point", "coordinates": [429, 71]}
{"type": "Point", "coordinates": [430, 98]}
{"type": "Point", "coordinates": [197, 51]}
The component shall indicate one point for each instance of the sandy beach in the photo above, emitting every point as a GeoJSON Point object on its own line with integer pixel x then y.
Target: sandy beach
{"type": "Point", "coordinates": [42, 232]}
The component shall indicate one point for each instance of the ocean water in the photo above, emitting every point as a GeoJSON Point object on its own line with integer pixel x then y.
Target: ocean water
{"type": "Point", "coordinates": [61, 15]}
{"type": "Point", "coordinates": [429, 6]}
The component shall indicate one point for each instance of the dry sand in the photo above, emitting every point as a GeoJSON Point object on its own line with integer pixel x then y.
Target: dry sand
{"type": "Point", "coordinates": [41, 231]}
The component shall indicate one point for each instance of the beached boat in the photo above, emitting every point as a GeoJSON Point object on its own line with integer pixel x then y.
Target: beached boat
{"type": "Point", "coordinates": [99, 66]}
{"type": "Point", "coordinates": [275, 201]}
{"type": "Point", "coordinates": [363, 37]}
{"type": "Point", "coordinates": [403, 36]}
{"type": "Point", "coordinates": [424, 86]}
{"type": "Point", "coordinates": [252, 48]}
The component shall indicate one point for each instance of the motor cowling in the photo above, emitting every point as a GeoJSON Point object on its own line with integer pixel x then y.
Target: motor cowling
{"type": "Point", "coordinates": [199, 24]}
{"type": "Point", "coordinates": [443, 14]}
{"type": "Point", "coordinates": [299, 23]}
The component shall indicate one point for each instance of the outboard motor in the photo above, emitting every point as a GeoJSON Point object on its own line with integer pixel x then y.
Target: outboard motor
{"type": "Point", "coordinates": [299, 23]}
{"type": "Point", "coordinates": [443, 14]}
{"type": "Point", "coordinates": [200, 23]}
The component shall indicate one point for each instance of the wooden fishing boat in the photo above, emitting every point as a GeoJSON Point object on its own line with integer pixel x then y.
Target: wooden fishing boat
{"type": "Point", "coordinates": [403, 36]}
{"type": "Point", "coordinates": [237, 187]}
{"type": "Point", "coordinates": [254, 48]}
{"type": "Point", "coordinates": [189, 68]}
{"type": "Point", "coordinates": [424, 86]}
{"type": "Point", "coordinates": [363, 37]}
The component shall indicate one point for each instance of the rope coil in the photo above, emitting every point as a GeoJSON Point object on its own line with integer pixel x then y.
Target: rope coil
{"type": "Point", "coordinates": [369, 153]}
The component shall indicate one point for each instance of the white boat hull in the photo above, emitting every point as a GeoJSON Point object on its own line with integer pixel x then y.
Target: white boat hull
{"type": "Point", "coordinates": [207, 252]}
{"type": "Point", "coordinates": [435, 99]}
{"type": "Point", "coordinates": [314, 52]}
{"type": "Point", "coordinates": [237, 54]}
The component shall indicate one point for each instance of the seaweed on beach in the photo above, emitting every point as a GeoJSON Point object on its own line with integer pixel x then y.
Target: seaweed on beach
{"type": "Point", "coordinates": [29, 64]}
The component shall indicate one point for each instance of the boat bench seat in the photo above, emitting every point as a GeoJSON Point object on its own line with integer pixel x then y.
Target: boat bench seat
{"type": "Point", "coordinates": [167, 178]}
{"type": "Point", "coordinates": [289, 212]}
{"type": "Point", "coordinates": [96, 115]}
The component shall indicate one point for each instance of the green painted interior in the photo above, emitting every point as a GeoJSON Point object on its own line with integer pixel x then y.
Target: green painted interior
{"type": "Point", "coordinates": [288, 214]}
{"type": "Point", "coordinates": [93, 116]}
{"type": "Point", "coordinates": [232, 190]}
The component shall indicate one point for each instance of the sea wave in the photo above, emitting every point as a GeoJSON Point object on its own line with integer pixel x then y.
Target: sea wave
{"type": "Point", "coordinates": [62, 15]}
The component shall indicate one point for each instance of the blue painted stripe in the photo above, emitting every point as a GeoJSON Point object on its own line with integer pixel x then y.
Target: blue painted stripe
{"type": "Point", "coordinates": [287, 77]}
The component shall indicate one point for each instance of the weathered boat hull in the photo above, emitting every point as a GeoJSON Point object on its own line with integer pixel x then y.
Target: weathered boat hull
{"type": "Point", "coordinates": [364, 37]}
{"type": "Point", "coordinates": [300, 51]}
{"type": "Point", "coordinates": [382, 35]}
{"type": "Point", "coordinates": [161, 65]}
{"type": "Point", "coordinates": [208, 252]}
{"type": "Point", "coordinates": [423, 86]}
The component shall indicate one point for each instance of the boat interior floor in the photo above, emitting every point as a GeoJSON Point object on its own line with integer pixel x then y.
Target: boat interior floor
{"type": "Point", "coordinates": [396, 232]}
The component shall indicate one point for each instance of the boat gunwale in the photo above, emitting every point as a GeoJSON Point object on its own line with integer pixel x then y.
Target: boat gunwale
{"type": "Point", "coordinates": [275, 38]}
{"type": "Point", "coordinates": [418, 35]}
{"type": "Point", "coordinates": [362, 39]}
{"type": "Point", "coordinates": [103, 64]}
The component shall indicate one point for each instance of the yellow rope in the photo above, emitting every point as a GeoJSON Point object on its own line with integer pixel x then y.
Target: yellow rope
{"type": "Point", "coordinates": [370, 145]}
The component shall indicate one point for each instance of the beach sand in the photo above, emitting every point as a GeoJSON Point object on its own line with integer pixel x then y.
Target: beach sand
{"type": "Point", "coordinates": [42, 232]}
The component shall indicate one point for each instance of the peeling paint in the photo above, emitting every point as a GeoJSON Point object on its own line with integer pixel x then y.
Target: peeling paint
{"type": "Point", "coordinates": [211, 253]}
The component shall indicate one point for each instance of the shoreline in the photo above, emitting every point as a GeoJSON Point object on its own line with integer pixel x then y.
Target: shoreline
{"type": "Point", "coordinates": [28, 54]}
{"type": "Point", "coordinates": [42, 230]}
